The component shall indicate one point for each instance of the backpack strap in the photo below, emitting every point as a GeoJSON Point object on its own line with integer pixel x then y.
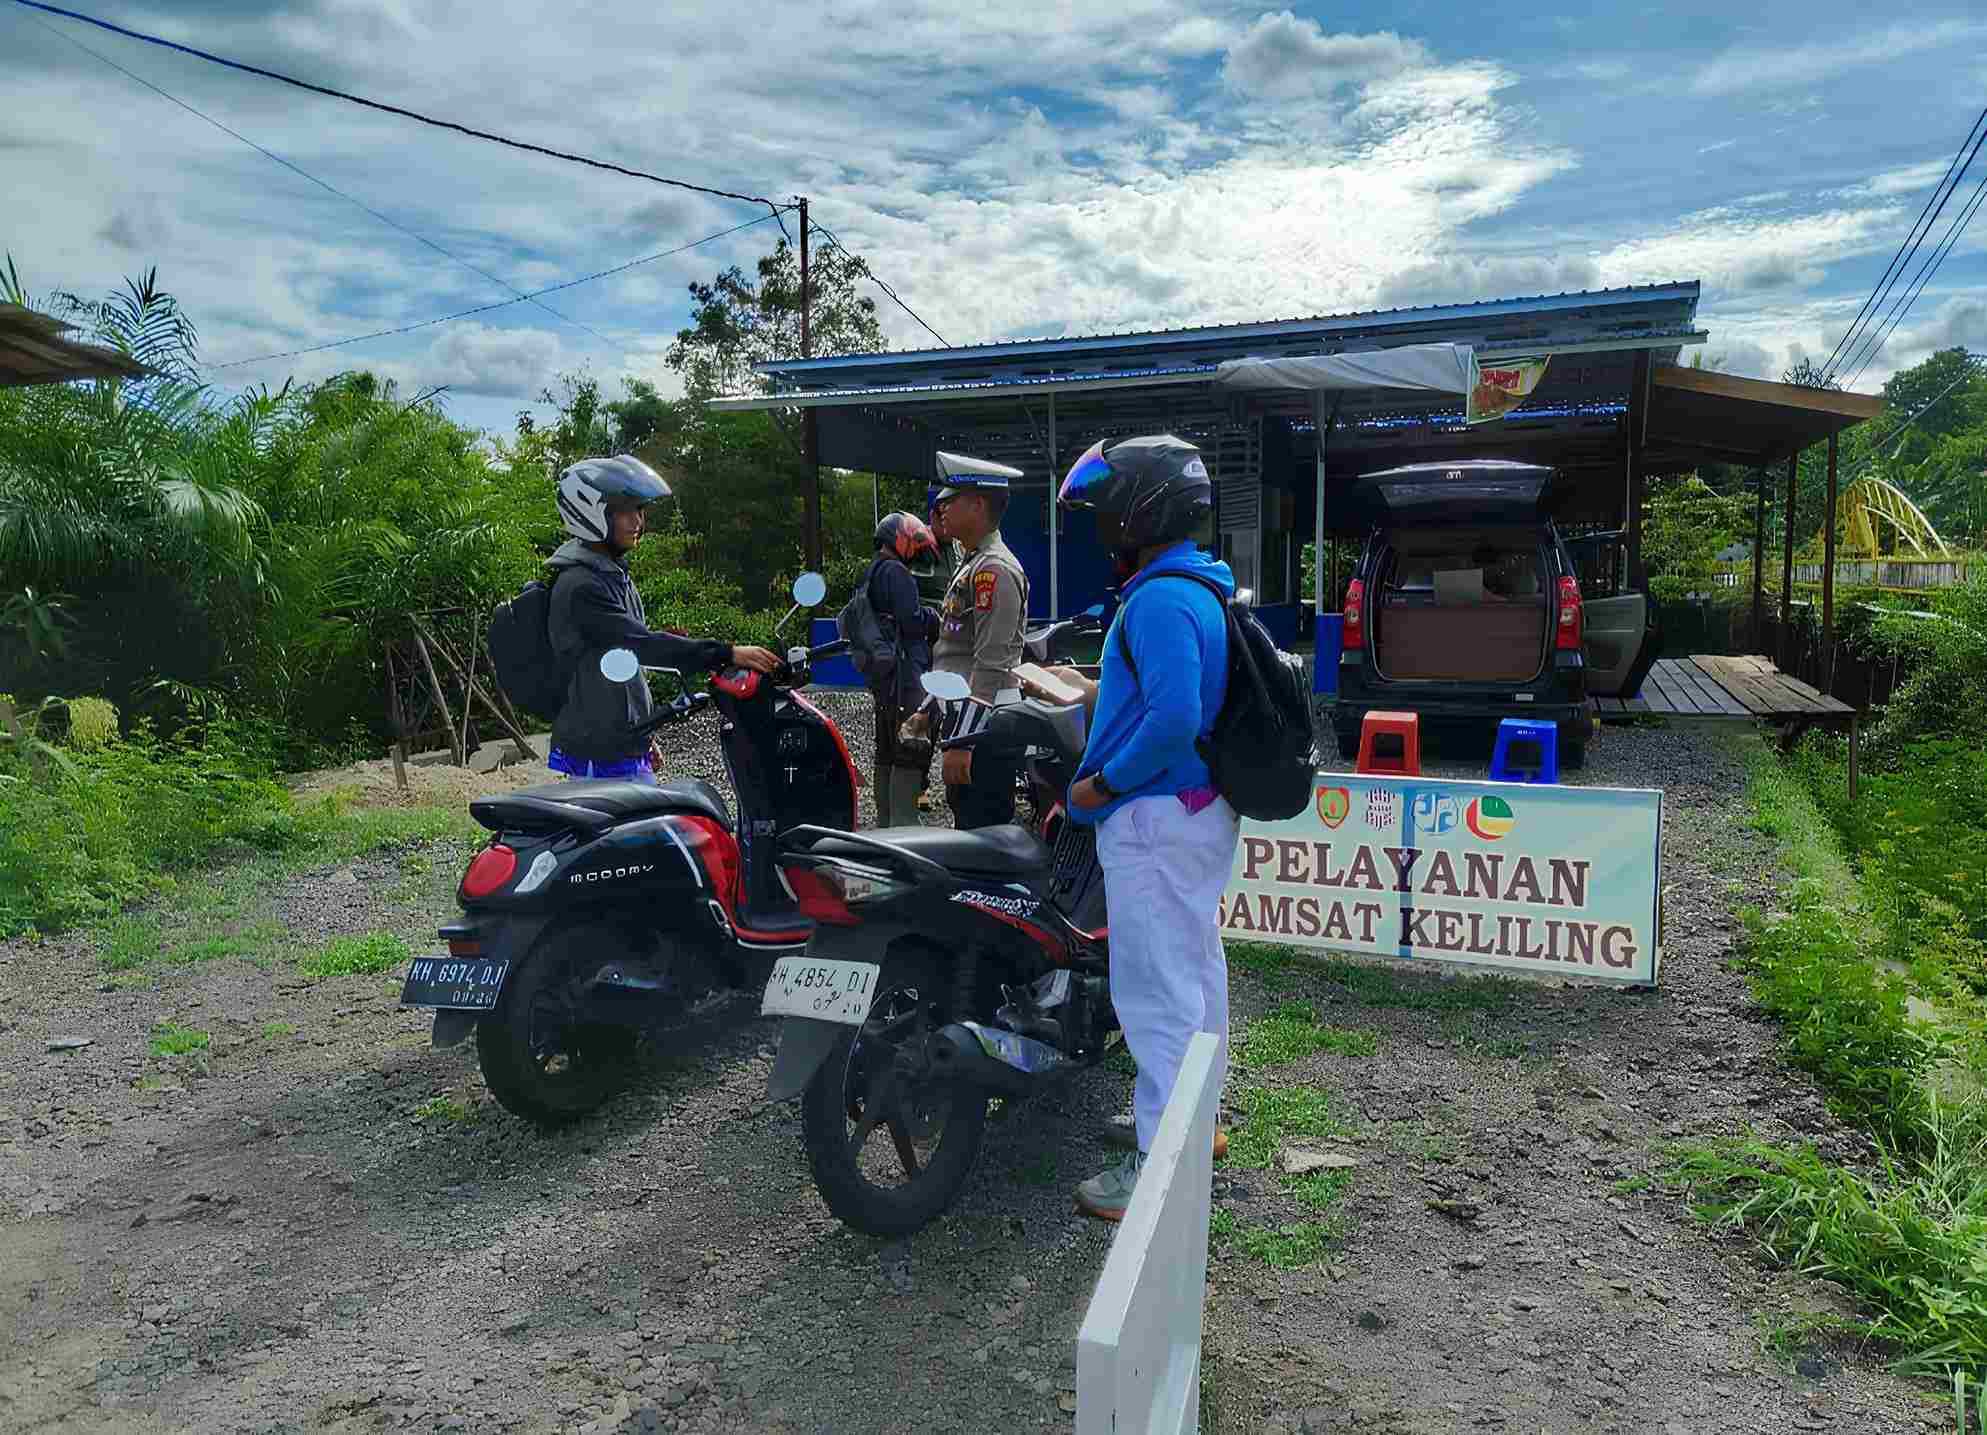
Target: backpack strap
{"type": "Point", "coordinates": [1124, 642]}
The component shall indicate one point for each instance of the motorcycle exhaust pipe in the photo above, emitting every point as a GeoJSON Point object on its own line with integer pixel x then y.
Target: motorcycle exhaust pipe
{"type": "Point", "coordinates": [993, 1058]}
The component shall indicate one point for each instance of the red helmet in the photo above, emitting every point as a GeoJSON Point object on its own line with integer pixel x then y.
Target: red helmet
{"type": "Point", "coordinates": [906, 536]}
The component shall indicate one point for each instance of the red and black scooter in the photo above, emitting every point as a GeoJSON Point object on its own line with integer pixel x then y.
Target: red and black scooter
{"type": "Point", "coordinates": [600, 911]}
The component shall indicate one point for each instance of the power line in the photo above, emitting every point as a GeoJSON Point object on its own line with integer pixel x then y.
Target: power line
{"type": "Point", "coordinates": [321, 184]}
{"type": "Point", "coordinates": [773, 209]}
{"type": "Point", "coordinates": [487, 308]}
{"type": "Point", "coordinates": [1908, 247]}
{"type": "Point", "coordinates": [1926, 271]}
{"type": "Point", "coordinates": [870, 275]}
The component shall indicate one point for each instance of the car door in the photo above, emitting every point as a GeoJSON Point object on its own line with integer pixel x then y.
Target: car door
{"type": "Point", "coordinates": [1616, 630]}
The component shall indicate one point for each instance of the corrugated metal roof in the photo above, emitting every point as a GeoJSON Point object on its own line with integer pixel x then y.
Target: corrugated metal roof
{"type": "Point", "coordinates": [1684, 293]}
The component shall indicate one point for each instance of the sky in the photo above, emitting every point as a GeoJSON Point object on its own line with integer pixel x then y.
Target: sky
{"type": "Point", "coordinates": [1032, 168]}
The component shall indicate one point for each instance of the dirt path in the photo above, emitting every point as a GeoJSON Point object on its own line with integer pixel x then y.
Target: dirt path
{"type": "Point", "coordinates": [320, 1223]}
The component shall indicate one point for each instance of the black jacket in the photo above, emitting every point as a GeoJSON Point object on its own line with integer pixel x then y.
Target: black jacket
{"type": "Point", "coordinates": [893, 593]}
{"type": "Point", "coordinates": [595, 607]}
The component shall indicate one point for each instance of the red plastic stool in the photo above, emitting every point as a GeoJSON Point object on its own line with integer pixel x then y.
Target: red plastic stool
{"type": "Point", "coordinates": [1390, 744]}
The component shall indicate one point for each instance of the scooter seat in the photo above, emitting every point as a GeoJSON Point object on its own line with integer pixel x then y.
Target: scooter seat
{"type": "Point", "coordinates": [617, 801]}
{"type": "Point", "coordinates": [1008, 850]}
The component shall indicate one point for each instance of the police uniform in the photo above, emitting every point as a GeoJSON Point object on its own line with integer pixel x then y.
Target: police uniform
{"type": "Point", "coordinates": [979, 638]}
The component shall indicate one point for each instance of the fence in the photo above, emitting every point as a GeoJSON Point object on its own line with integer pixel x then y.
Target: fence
{"type": "Point", "coordinates": [1138, 1353]}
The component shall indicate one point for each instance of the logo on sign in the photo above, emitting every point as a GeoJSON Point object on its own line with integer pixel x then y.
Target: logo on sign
{"type": "Point", "coordinates": [1334, 805]}
{"type": "Point", "coordinates": [1383, 810]}
{"type": "Point", "coordinates": [1490, 818]}
{"type": "Point", "coordinates": [1435, 813]}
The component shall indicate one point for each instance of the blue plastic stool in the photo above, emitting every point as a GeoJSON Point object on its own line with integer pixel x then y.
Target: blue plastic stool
{"type": "Point", "coordinates": [1542, 735]}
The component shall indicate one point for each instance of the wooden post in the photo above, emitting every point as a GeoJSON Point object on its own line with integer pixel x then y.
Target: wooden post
{"type": "Point", "coordinates": [1638, 432]}
{"type": "Point", "coordinates": [1787, 563]}
{"type": "Point", "coordinates": [399, 716]}
{"type": "Point", "coordinates": [1828, 579]}
{"type": "Point", "coordinates": [1855, 751]}
{"type": "Point", "coordinates": [810, 430]}
{"type": "Point", "coordinates": [473, 690]}
{"type": "Point", "coordinates": [1759, 563]}
{"type": "Point", "coordinates": [441, 698]}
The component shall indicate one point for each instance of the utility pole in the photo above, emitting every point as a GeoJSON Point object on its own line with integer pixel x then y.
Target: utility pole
{"type": "Point", "coordinates": [810, 435]}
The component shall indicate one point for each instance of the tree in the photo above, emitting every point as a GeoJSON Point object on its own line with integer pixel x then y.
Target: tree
{"type": "Point", "coordinates": [1688, 524]}
{"type": "Point", "coordinates": [738, 322]}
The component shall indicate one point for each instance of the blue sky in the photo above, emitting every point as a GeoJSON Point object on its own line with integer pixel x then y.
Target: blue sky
{"type": "Point", "coordinates": [1038, 167]}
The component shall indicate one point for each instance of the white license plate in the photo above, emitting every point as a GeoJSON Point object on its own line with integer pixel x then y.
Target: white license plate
{"type": "Point", "coordinates": [821, 990]}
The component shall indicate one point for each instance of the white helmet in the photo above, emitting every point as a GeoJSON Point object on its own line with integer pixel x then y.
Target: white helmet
{"type": "Point", "coordinates": [590, 487]}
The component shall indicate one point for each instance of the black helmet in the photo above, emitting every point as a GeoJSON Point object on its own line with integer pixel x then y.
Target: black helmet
{"type": "Point", "coordinates": [1155, 486]}
{"type": "Point", "coordinates": [906, 536]}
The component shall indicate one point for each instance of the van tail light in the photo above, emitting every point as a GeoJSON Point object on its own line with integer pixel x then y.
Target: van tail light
{"type": "Point", "coordinates": [1355, 619]}
{"type": "Point", "coordinates": [491, 868]}
{"type": "Point", "coordinates": [1569, 631]}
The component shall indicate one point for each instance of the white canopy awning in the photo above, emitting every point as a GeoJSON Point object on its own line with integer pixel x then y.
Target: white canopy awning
{"type": "Point", "coordinates": [1437, 368]}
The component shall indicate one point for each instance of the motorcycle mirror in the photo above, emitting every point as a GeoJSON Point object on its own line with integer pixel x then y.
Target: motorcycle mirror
{"type": "Point", "coordinates": [617, 665]}
{"type": "Point", "coordinates": [809, 589]}
{"type": "Point", "coordinates": [947, 687]}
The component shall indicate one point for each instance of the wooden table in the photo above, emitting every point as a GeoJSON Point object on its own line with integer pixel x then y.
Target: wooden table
{"type": "Point", "coordinates": [1743, 688]}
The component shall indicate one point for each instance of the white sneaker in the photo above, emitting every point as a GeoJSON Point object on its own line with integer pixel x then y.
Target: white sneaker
{"type": "Point", "coordinates": [1107, 1194]}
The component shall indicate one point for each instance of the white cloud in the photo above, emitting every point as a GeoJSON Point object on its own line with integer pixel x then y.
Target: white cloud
{"type": "Point", "coordinates": [1461, 278]}
{"type": "Point", "coordinates": [1718, 145]}
{"type": "Point", "coordinates": [1736, 253]}
{"type": "Point", "coordinates": [1911, 179]}
{"type": "Point", "coordinates": [1283, 57]}
{"type": "Point", "coordinates": [1739, 71]}
{"type": "Point", "coordinates": [472, 358]}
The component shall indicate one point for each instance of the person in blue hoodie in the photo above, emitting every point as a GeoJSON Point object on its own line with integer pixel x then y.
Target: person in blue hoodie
{"type": "Point", "coordinates": [1165, 838]}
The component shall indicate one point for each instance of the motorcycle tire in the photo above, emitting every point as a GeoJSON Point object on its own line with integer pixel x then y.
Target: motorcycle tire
{"type": "Point", "coordinates": [529, 1075]}
{"type": "Point", "coordinates": [826, 1108]}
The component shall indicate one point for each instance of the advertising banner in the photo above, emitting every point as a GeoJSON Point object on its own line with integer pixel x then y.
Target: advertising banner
{"type": "Point", "coordinates": [1506, 876]}
{"type": "Point", "coordinates": [1501, 386]}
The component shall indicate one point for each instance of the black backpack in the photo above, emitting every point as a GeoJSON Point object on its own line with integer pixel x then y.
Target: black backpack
{"type": "Point", "coordinates": [859, 625]}
{"type": "Point", "coordinates": [1262, 753]}
{"type": "Point", "coordinates": [520, 642]}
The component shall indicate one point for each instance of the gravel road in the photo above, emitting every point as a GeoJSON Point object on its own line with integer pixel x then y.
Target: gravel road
{"type": "Point", "coordinates": [320, 1223]}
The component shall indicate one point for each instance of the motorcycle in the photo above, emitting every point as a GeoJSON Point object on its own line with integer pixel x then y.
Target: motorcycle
{"type": "Point", "coordinates": [599, 910]}
{"type": "Point", "coordinates": [946, 969]}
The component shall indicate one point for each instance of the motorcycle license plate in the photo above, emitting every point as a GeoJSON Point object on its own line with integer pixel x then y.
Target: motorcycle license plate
{"type": "Point", "coordinates": [820, 990]}
{"type": "Point", "coordinates": [458, 983]}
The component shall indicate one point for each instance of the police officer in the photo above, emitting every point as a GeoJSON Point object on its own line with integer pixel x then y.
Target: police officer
{"type": "Point", "coordinates": [979, 630]}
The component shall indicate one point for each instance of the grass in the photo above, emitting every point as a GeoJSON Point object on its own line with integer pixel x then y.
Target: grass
{"type": "Point", "coordinates": [275, 1029]}
{"type": "Point", "coordinates": [172, 1039]}
{"type": "Point", "coordinates": [1292, 1032]}
{"type": "Point", "coordinates": [1906, 1235]}
{"type": "Point", "coordinates": [452, 1109]}
{"type": "Point", "coordinates": [1303, 1243]}
{"type": "Point", "coordinates": [356, 956]}
{"type": "Point", "coordinates": [1286, 969]}
{"type": "Point", "coordinates": [1275, 1113]}
{"type": "Point", "coordinates": [1039, 1171]}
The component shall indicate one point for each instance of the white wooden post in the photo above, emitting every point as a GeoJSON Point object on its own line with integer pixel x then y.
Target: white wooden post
{"type": "Point", "coordinates": [1138, 1353]}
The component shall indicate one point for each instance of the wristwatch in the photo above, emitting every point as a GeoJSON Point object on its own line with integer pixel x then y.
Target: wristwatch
{"type": "Point", "coordinates": [1097, 781]}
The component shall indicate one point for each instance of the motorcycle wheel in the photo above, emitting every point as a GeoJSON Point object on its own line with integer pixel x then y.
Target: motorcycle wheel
{"type": "Point", "coordinates": [540, 1058]}
{"type": "Point", "coordinates": [893, 1170]}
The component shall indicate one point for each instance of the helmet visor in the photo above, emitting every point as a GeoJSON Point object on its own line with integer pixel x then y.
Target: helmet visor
{"type": "Point", "coordinates": [1086, 480]}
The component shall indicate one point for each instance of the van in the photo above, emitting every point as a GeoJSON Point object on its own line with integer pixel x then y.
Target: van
{"type": "Point", "coordinates": [1466, 608]}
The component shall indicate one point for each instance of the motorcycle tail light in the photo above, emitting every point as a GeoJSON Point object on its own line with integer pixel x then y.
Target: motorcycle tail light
{"type": "Point", "coordinates": [492, 868]}
{"type": "Point", "coordinates": [817, 898]}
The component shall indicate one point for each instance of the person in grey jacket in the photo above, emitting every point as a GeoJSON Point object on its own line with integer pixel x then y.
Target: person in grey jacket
{"type": "Point", "coordinates": [596, 606]}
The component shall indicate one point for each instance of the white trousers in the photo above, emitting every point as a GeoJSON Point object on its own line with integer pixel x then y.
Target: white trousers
{"type": "Point", "coordinates": [1164, 872]}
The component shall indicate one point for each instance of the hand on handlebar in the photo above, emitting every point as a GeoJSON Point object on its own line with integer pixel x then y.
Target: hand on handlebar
{"type": "Point", "coordinates": [759, 660]}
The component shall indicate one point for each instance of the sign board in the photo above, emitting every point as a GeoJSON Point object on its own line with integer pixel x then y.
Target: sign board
{"type": "Point", "coordinates": [1503, 876]}
{"type": "Point", "coordinates": [1501, 386]}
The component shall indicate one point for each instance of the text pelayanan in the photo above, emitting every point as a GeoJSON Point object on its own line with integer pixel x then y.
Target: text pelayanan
{"type": "Point", "coordinates": [1557, 883]}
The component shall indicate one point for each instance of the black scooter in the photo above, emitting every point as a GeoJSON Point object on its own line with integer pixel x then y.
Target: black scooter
{"type": "Point", "coordinates": [599, 910]}
{"type": "Point", "coordinates": [946, 968]}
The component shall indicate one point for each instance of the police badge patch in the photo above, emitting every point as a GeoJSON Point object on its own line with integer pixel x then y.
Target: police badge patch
{"type": "Point", "coordinates": [983, 590]}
